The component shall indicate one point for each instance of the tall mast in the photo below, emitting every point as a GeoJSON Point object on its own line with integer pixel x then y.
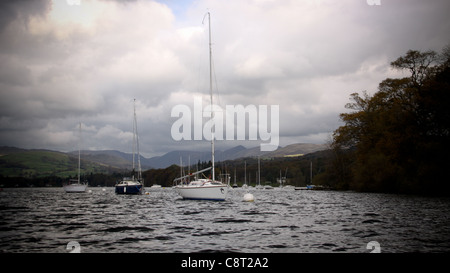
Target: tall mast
{"type": "Point", "coordinates": [136, 144]}
{"type": "Point", "coordinates": [259, 172]}
{"type": "Point", "coordinates": [245, 172]}
{"type": "Point", "coordinates": [79, 154]}
{"type": "Point", "coordinates": [211, 95]}
{"type": "Point", "coordinates": [134, 137]}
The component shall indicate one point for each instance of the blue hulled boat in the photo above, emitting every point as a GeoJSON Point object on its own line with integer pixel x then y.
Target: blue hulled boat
{"type": "Point", "coordinates": [134, 184]}
{"type": "Point", "coordinates": [129, 186]}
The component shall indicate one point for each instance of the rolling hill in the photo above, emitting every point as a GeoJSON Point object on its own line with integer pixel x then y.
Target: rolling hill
{"type": "Point", "coordinates": [41, 163]}
{"type": "Point", "coordinates": [16, 162]}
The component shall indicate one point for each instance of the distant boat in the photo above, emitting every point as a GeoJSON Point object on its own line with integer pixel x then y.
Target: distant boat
{"type": "Point", "coordinates": [245, 186]}
{"type": "Point", "coordinates": [204, 189]}
{"type": "Point", "coordinates": [235, 185]}
{"type": "Point", "coordinates": [258, 176]}
{"type": "Point", "coordinates": [135, 183]}
{"type": "Point", "coordinates": [74, 185]}
{"type": "Point", "coordinates": [129, 185]}
{"type": "Point", "coordinates": [282, 179]}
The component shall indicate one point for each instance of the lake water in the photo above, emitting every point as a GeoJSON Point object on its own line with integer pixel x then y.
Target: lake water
{"type": "Point", "coordinates": [280, 220]}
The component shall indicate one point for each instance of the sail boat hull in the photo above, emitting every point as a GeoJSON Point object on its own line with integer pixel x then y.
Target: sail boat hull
{"type": "Point", "coordinates": [72, 188]}
{"type": "Point", "coordinates": [129, 188]}
{"type": "Point", "coordinates": [206, 192]}
{"type": "Point", "coordinates": [135, 189]}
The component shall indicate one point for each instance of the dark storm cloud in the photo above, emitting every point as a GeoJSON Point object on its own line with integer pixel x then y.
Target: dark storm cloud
{"type": "Point", "coordinates": [63, 64]}
{"type": "Point", "coordinates": [21, 9]}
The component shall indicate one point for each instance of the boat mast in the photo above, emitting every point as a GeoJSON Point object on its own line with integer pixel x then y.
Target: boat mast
{"type": "Point", "coordinates": [245, 172]}
{"type": "Point", "coordinates": [79, 154]}
{"type": "Point", "coordinates": [134, 139]}
{"type": "Point", "coordinates": [136, 144]}
{"type": "Point", "coordinates": [211, 96]}
{"type": "Point", "coordinates": [259, 172]}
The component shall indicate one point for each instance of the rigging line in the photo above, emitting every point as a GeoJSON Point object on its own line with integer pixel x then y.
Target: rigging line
{"type": "Point", "coordinates": [213, 65]}
{"type": "Point", "coordinates": [204, 16]}
{"type": "Point", "coordinates": [79, 155]}
{"type": "Point", "coordinates": [201, 68]}
{"type": "Point", "coordinates": [215, 81]}
{"type": "Point", "coordinates": [137, 147]}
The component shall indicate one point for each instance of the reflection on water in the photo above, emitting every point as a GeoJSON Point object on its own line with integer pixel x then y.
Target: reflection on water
{"type": "Point", "coordinates": [47, 219]}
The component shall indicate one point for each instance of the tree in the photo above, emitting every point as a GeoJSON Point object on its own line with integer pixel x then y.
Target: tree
{"type": "Point", "coordinates": [418, 63]}
{"type": "Point", "coordinates": [400, 135]}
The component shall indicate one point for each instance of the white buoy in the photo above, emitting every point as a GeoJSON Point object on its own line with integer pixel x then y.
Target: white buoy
{"type": "Point", "coordinates": [248, 197]}
{"type": "Point", "coordinates": [89, 191]}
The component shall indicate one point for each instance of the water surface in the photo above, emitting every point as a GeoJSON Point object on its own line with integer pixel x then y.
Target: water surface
{"type": "Point", "coordinates": [280, 220]}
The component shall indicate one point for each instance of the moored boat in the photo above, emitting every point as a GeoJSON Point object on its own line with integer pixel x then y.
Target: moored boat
{"type": "Point", "coordinates": [133, 184]}
{"type": "Point", "coordinates": [74, 185]}
{"type": "Point", "coordinates": [129, 185]}
{"type": "Point", "coordinates": [201, 189]}
{"type": "Point", "coordinates": [204, 189]}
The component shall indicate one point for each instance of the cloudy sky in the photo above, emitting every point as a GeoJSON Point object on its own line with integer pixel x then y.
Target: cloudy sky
{"type": "Point", "coordinates": [68, 61]}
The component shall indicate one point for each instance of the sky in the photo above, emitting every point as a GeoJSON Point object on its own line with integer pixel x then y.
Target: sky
{"type": "Point", "coordinates": [65, 62]}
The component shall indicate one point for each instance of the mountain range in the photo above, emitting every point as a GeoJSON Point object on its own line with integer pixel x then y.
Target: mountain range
{"type": "Point", "coordinates": [123, 160]}
{"type": "Point", "coordinates": [39, 162]}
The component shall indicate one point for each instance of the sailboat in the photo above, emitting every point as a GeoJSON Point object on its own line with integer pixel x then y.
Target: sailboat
{"type": "Point", "coordinates": [235, 185]}
{"type": "Point", "coordinates": [282, 179]}
{"type": "Point", "coordinates": [258, 176]}
{"type": "Point", "coordinates": [245, 186]}
{"type": "Point", "coordinates": [135, 183]}
{"type": "Point", "coordinates": [208, 188]}
{"type": "Point", "coordinates": [75, 185]}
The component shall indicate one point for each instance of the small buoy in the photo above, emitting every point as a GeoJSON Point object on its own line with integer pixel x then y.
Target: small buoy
{"type": "Point", "coordinates": [103, 189]}
{"type": "Point", "coordinates": [248, 197]}
{"type": "Point", "coordinates": [89, 191]}
{"type": "Point", "coordinates": [147, 193]}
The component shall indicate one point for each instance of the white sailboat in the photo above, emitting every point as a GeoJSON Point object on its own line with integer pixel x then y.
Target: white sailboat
{"type": "Point", "coordinates": [135, 183]}
{"type": "Point", "coordinates": [235, 185]}
{"type": "Point", "coordinates": [258, 176]}
{"type": "Point", "coordinates": [245, 186]}
{"type": "Point", "coordinates": [75, 185]}
{"type": "Point", "coordinates": [204, 189]}
{"type": "Point", "coordinates": [282, 179]}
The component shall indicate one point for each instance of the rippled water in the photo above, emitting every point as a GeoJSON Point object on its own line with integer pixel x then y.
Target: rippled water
{"type": "Point", "coordinates": [47, 219]}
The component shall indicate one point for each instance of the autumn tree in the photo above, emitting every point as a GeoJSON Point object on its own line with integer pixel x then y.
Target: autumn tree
{"type": "Point", "coordinates": [400, 135]}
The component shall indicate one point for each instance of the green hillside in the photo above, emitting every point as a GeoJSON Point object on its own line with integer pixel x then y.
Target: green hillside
{"type": "Point", "coordinates": [41, 163]}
